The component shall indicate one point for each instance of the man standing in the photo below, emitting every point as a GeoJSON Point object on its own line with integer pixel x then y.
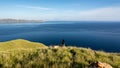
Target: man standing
{"type": "Point", "coordinates": [63, 43]}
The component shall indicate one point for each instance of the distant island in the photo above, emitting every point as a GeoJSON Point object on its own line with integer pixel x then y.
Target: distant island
{"type": "Point", "coordinates": [19, 21]}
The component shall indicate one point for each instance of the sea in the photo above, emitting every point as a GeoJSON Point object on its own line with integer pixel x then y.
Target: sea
{"type": "Point", "coordinates": [97, 35]}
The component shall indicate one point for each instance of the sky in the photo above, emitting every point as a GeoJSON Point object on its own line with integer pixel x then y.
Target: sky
{"type": "Point", "coordinates": [61, 10]}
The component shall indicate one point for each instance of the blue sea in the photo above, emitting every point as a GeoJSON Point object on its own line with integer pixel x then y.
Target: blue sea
{"type": "Point", "coordinates": [95, 35]}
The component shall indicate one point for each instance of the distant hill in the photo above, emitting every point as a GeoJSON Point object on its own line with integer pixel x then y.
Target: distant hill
{"type": "Point", "coordinates": [18, 21]}
{"type": "Point", "coordinates": [18, 44]}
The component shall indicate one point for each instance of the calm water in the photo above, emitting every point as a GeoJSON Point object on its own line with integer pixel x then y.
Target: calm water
{"type": "Point", "coordinates": [96, 35]}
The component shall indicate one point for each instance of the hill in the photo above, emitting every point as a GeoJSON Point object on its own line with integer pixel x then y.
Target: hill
{"type": "Point", "coordinates": [18, 21]}
{"type": "Point", "coordinates": [25, 54]}
{"type": "Point", "coordinates": [19, 44]}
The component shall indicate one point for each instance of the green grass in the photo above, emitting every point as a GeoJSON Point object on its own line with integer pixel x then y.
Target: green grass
{"type": "Point", "coordinates": [19, 44]}
{"type": "Point", "coordinates": [24, 54]}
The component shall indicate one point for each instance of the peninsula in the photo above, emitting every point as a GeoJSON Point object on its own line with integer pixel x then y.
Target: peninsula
{"type": "Point", "coordinates": [19, 21]}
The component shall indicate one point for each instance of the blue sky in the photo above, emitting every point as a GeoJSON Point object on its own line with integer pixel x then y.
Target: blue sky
{"type": "Point", "coordinates": [75, 10]}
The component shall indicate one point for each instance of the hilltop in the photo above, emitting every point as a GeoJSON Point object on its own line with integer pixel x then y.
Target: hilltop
{"type": "Point", "coordinates": [25, 54]}
{"type": "Point", "coordinates": [19, 21]}
{"type": "Point", "coordinates": [19, 44]}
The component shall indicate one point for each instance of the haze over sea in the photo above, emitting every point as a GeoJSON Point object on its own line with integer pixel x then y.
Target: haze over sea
{"type": "Point", "coordinates": [96, 35]}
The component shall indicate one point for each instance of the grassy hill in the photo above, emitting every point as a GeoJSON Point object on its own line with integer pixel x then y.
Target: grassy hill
{"type": "Point", "coordinates": [25, 54]}
{"type": "Point", "coordinates": [19, 44]}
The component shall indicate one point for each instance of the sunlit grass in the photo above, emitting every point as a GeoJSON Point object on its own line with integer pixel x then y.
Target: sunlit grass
{"type": "Point", "coordinates": [37, 55]}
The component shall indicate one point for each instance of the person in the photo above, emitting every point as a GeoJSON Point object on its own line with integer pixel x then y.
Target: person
{"type": "Point", "coordinates": [63, 43]}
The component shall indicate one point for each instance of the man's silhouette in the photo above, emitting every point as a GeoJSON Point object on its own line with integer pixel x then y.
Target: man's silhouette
{"type": "Point", "coordinates": [63, 43]}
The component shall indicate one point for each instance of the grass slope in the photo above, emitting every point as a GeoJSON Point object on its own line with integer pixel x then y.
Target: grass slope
{"type": "Point", "coordinates": [19, 44]}
{"type": "Point", "coordinates": [36, 55]}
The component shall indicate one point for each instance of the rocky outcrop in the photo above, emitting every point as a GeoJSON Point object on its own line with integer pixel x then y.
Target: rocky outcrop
{"type": "Point", "coordinates": [99, 65]}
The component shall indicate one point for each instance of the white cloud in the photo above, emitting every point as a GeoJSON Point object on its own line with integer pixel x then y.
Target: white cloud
{"type": "Point", "coordinates": [100, 14]}
{"type": "Point", "coordinates": [34, 7]}
{"type": "Point", "coordinates": [104, 14]}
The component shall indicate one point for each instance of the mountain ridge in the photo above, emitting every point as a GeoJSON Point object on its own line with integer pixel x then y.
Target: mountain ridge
{"type": "Point", "coordinates": [19, 21]}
